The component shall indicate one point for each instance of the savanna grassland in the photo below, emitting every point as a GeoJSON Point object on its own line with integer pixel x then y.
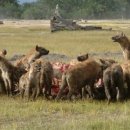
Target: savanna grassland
{"type": "Point", "coordinates": [16, 114]}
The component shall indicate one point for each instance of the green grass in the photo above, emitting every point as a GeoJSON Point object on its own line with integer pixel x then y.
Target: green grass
{"type": "Point", "coordinates": [17, 114]}
{"type": "Point", "coordinates": [20, 40]}
{"type": "Point", "coordinates": [41, 114]}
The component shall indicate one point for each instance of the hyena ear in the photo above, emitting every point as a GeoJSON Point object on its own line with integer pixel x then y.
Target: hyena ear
{"type": "Point", "coordinates": [87, 55]}
{"type": "Point", "coordinates": [4, 52]}
{"type": "Point", "coordinates": [36, 47]}
{"type": "Point", "coordinates": [103, 66]}
{"type": "Point", "coordinates": [122, 34]}
{"type": "Point", "coordinates": [102, 61]}
{"type": "Point", "coordinates": [111, 61]}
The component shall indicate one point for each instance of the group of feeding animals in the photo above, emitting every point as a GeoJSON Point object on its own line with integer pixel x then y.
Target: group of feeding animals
{"type": "Point", "coordinates": [32, 76]}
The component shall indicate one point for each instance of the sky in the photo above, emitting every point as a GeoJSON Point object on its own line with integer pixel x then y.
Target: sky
{"type": "Point", "coordinates": [23, 1]}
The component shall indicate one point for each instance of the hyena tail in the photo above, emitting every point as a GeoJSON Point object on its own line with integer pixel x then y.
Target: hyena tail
{"type": "Point", "coordinates": [115, 78]}
{"type": "Point", "coordinates": [118, 83]}
{"type": "Point", "coordinates": [63, 86]}
{"type": "Point", "coordinates": [118, 77]}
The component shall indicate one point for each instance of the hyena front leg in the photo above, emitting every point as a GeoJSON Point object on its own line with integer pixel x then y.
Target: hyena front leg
{"type": "Point", "coordinates": [10, 86]}
{"type": "Point", "coordinates": [5, 82]}
{"type": "Point", "coordinates": [63, 86]}
{"type": "Point", "coordinates": [107, 92]}
{"type": "Point", "coordinates": [28, 90]}
{"type": "Point", "coordinates": [6, 86]}
{"type": "Point", "coordinates": [38, 90]}
{"type": "Point", "coordinates": [71, 92]}
{"type": "Point", "coordinates": [34, 92]}
{"type": "Point", "coordinates": [22, 93]}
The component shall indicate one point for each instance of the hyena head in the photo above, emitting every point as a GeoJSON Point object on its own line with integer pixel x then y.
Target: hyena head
{"type": "Point", "coordinates": [120, 38]}
{"type": "Point", "coordinates": [3, 52]}
{"type": "Point", "coordinates": [82, 57]}
{"type": "Point", "coordinates": [105, 63]}
{"type": "Point", "coordinates": [36, 53]}
{"type": "Point", "coordinates": [41, 50]}
{"type": "Point", "coordinates": [34, 68]}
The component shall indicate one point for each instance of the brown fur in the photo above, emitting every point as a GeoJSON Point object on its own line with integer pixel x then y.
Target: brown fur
{"type": "Point", "coordinates": [80, 75]}
{"type": "Point", "coordinates": [23, 84]}
{"type": "Point", "coordinates": [38, 77]}
{"type": "Point", "coordinates": [126, 71]}
{"type": "Point", "coordinates": [34, 54]}
{"type": "Point", "coordinates": [124, 43]}
{"type": "Point", "coordinates": [2, 85]}
{"type": "Point", "coordinates": [10, 75]}
{"type": "Point", "coordinates": [29, 83]}
{"type": "Point", "coordinates": [99, 92]}
{"type": "Point", "coordinates": [82, 57]}
{"type": "Point", "coordinates": [113, 80]}
{"type": "Point", "coordinates": [33, 82]}
{"type": "Point", "coordinates": [46, 76]}
{"type": "Point", "coordinates": [3, 53]}
{"type": "Point", "coordinates": [107, 62]}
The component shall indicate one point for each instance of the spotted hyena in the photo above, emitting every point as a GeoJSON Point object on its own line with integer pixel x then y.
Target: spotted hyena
{"type": "Point", "coordinates": [29, 83]}
{"type": "Point", "coordinates": [33, 82]}
{"type": "Point", "coordinates": [23, 84]}
{"type": "Point", "coordinates": [38, 79]}
{"type": "Point", "coordinates": [47, 75]}
{"type": "Point", "coordinates": [10, 75]}
{"type": "Point", "coordinates": [99, 91]}
{"type": "Point", "coordinates": [124, 43]}
{"type": "Point", "coordinates": [113, 80]}
{"type": "Point", "coordinates": [34, 54]}
{"type": "Point", "coordinates": [3, 53]}
{"type": "Point", "coordinates": [126, 72]}
{"type": "Point", "coordinates": [78, 76]}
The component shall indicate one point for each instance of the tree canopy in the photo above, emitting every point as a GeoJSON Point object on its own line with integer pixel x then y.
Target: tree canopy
{"type": "Point", "coordinates": [71, 9]}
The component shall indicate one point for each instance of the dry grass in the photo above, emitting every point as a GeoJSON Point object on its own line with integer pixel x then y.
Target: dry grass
{"type": "Point", "coordinates": [16, 114]}
{"type": "Point", "coordinates": [71, 43]}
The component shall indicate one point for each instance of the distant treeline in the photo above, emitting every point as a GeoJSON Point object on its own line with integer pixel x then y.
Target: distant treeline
{"type": "Point", "coordinates": [70, 9]}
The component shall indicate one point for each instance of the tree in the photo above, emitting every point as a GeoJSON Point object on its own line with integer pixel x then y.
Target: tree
{"type": "Point", "coordinates": [4, 2]}
{"type": "Point", "coordinates": [70, 9]}
{"type": "Point", "coordinates": [9, 9]}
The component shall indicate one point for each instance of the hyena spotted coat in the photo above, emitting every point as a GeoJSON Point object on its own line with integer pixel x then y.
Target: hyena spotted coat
{"type": "Point", "coordinates": [80, 75]}
{"type": "Point", "coordinates": [33, 82]}
{"type": "Point", "coordinates": [124, 44]}
{"type": "Point", "coordinates": [10, 75]}
{"type": "Point", "coordinates": [47, 75]}
{"type": "Point", "coordinates": [3, 53]}
{"type": "Point", "coordinates": [38, 78]}
{"type": "Point", "coordinates": [34, 54]}
{"type": "Point", "coordinates": [113, 80]}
